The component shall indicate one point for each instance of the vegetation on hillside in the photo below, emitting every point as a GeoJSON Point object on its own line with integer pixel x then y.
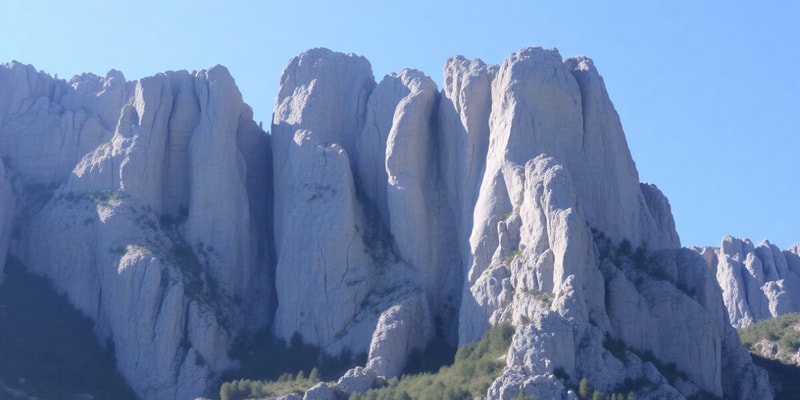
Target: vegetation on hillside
{"type": "Point", "coordinates": [47, 348]}
{"type": "Point", "coordinates": [476, 365]}
{"type": "Point", "coordinates": [255, 389]}
{"type": "Point", "coordinates": [783, 331]}
{"type": "Point", "coordinates": [270, 367]}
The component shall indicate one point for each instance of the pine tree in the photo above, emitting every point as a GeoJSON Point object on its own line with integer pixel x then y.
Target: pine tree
{"type": "Point", "coordinates": [313, 376]}
{"type": "Point", "coordinates": [584, 388]}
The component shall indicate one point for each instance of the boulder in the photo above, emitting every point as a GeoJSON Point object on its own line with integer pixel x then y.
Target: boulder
{"type": "Point", "coordinates": [401, 329]}
{"type": "Point", "coordinates": [357, 380]}
{"type": "Point", "coordinates": [320, 391]}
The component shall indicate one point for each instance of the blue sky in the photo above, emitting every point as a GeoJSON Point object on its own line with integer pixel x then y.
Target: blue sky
{"type": "Point", "coordinates": [707, 90]}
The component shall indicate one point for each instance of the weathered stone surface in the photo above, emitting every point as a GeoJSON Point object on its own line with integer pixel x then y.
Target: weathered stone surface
{"type": "Point", "coordinates": [357, 380]}
{"type": "Point", "coordinates": [364, 174]}
{"type": "Point", "coordinates": [557, 175]}
{"type": "Point", "coordinates": [543, 106]}
{"type": "Point", "coordinates": [320, 391]}
{"type": "Point", "coordinates": [320, 109]}
{"type": "Point", "coordinates": [399, 174]}
{"type": "Point", "coordinates": [399, 213]}
{"type": "Point", "coordinates": [757, 282]}
{"type": "Point", "coordinates": [150, 176]}
{"type": "Point", "coordinates": [402, 328]}
{"type": "Point", "coordinates": [49, 124]}
{"type": "Point", "coordinates": [463, 113]}
{"type": "Point", "coordinates": [6, 217]}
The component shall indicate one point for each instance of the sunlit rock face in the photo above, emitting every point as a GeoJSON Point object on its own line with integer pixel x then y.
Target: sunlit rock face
{"type": "Point", "coordinates": [757, 282]}
{"type": "Point", "coordinates": [356, 161]}
{"type": "Point", "coordinates": [522, 175]}
{"type": "Point", "coordinates": [376, 217]}
{"type": "Point", "coordinates": [147, 204]}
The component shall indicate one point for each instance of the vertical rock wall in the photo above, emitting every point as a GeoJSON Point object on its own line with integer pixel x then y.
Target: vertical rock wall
{"type": "Point", "coordinates": [6, 217]}
{"type": "Point", "coordinates": [135, 202]}
{"type": "Point", "coordinates": [757, 282]}
{"type": "Point", "coordinates": [396, 212]}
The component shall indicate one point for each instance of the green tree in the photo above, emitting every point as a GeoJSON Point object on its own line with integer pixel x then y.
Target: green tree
{"type": "Point", "coordinates": [313, 376]}
{"type": "Point", "coordinates": [401, 395]}
{"type": "Point", "coordinates": [226, 392]}
{"type": "Point", "coordinates": [584, 388]}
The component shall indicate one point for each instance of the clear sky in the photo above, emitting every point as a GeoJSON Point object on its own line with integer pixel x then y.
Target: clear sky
{"type": "Point", "coordinates": [707, 90]}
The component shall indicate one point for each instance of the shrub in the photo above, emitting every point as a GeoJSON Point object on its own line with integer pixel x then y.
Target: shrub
{"type": "Point", "coordinates": [265, 361]}
{"type": "Point", "coordinates": [474, 368]}
{"type": "Point", "coordinates": [780, 329]}
{"type": "Point", "coordinates": [584, 388]}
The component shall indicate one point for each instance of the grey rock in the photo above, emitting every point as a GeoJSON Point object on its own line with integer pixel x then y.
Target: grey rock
{"type": "Point", "coordinates": [364, 174]}
{"type": "Point", "coordinates": [151, 177]}
{"type": "Point", "coordinates": [557, 166]}
{"type": "Point", "coordinates": [402, 328]}
{"type": "Point", "coordinates": [396, 160]}
{"type": "Point", "coordinates": [314, 186]}
{"type": "Point", "coordinates": [7, 207]}
{"type": "Point", "coordinates": [357, 380]}
{"type": "Point", "coordinates": [396, 212]}
{"type": "Point", "coordinates": [757, 282]}
{"type": "Point", "coordinates": [320, 391]}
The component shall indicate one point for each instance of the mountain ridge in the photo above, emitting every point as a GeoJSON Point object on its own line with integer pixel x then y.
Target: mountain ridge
{"type": "Point", "coordinates": [341, 225]}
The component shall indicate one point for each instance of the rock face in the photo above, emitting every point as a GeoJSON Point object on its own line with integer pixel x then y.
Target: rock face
{"type": "Point", "coordinates": [757, 282]}
{"type": "Point", "coordinates": [397, 213]}
{"type": "Point", "coordinates": [6, 215]}
{"type": "Point", "coordinates": [569, 246]}
{"type": "Point", "coordinates": [534, 185]}
{"type": "Point", "coordinates": [146, 204]}
{"type": "Point", "coordinates": [361, 173]}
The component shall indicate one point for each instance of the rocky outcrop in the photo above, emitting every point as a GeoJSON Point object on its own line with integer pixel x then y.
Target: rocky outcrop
{"type": "Point", "coordinates": [319, 225]}
{"type": "Point", "coordinates": [320, 391]}
{"type": "Point", "coordinates": [396, 213]}
{"type": "Point", "coordinates": [363, 174]}
{"type": "Point", "coordinates": [402, 327]}
{"type": "Point", "coordinates": [399, 137]}
{"type": "Point", "coordinates": [158, 181]}
{"type": "Point", "coordinates": [559, 189]}
{"type": "Point", "coordinates": [757, 282]}
{"type": "Point", "coordinates": [534, 186]}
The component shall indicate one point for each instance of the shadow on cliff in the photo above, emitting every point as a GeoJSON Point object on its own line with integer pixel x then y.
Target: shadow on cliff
{"type": "Point", "coordinates": [266, 357]}
{"type": "Point", "coordinates": [47, 348]}
{"type": "Point", "coordinates": [782, 377]}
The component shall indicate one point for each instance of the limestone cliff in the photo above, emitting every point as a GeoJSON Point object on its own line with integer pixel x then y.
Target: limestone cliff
{"type": "Point", "coordinates": [146, 203]}
{"type": "Point", "coordinates": [757, 282]}
{"type": "Point", "coordinates": [570, 247]}
{"type": "Point", "coordinates": [397, 213]}
{"type": "Point", "coordinates": [6, 216]}
{"type": "Point", "coordinates": [524, 169]}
